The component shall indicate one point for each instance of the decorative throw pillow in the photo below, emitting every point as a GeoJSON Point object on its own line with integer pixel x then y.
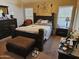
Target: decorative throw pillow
{"type": "Point", "coordinates": [27, 22]}
{"type": "Point", "coordinates": [39, 21]}
{"type": "Point", "coordinates": [44, 21]}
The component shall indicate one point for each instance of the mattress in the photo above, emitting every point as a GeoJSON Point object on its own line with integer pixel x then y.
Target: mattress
{"type": "Point", "coordinates": [35, 29]}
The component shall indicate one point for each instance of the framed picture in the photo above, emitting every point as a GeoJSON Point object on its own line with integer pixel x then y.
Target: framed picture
{"type": "Point", "coordinates": [3, 9]}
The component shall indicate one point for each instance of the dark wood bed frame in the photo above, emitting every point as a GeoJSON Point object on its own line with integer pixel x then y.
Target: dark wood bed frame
{"type": "Point", "coordinates": [38, 37]}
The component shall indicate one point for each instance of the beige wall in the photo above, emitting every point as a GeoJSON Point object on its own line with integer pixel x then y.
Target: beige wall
{"type": "Point", "coordinates": [15, 9]}
{"type": "Point", "coordinates": [48, 10]}
{"type": "Point", "coordinates": [44, 7]}
{"type": "Point", "coordinates": [47, 4]}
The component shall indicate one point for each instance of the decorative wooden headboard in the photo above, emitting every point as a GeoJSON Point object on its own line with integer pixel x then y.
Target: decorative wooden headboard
{"type": "Point", "coordinates": [50, 18]}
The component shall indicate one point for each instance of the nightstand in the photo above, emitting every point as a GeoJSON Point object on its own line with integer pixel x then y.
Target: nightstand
{"type": "Point", "coordinates": [61, 32]}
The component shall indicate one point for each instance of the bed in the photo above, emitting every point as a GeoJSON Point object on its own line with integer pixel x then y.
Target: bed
{"type": "Point", "coordinates": [39, 32]}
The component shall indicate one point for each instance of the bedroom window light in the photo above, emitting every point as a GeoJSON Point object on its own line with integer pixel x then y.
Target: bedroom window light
{"type": "Point", "coordinates": [29, 13]}
{"type": "Point", "coordinates": [64, 16]}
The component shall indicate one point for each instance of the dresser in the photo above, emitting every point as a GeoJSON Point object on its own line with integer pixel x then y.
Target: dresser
{"type": "Point", "coordinates": [6, 26]}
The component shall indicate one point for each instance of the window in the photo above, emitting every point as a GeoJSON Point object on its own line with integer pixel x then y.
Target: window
{"type": "Point", "coordinates": [64, 16]}
{"type": "Point", "coordinates": [29, 13]}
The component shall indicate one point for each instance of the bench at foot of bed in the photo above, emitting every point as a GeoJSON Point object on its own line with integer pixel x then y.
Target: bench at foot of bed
{"type": "Point", "coordinates": [21, 45]}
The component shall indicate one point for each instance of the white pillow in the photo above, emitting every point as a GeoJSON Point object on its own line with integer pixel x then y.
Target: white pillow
{"type": "Point", "coordinates": [44, 21]}
{"type": "Point", "coordinates": [39, 21]}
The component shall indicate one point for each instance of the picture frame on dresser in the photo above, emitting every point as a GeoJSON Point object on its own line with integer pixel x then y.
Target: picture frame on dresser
{"type": "Point", "coordinates": [4, 9]}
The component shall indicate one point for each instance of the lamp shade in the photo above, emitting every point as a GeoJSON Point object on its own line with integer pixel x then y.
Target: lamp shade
{"type": "Point", "coordinates": [67, 19]}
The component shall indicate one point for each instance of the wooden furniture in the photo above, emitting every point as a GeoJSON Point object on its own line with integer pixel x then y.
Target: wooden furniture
{"type": "Point", "coordinates": [62, 55]}
{"type": "Point", "coordinates": [39, 36]}
{"type": "Point", "coordinates": [72, 53]}
{"type": "Point", "coordinates": [61, 32]}
{"type": "Point", "coordinates": [21, 45]}
{"type": "Point", "coordinates": [49, 18]}
{"type": "Point", "coordinates": [6, 26]}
